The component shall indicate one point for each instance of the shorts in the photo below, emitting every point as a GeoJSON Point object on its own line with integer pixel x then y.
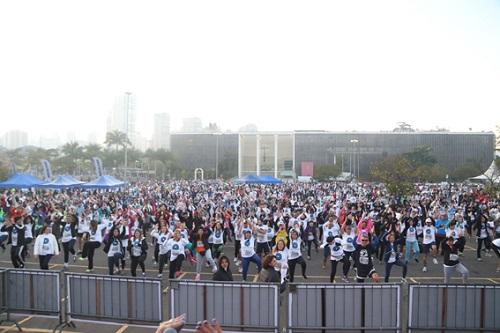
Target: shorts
{"type": "Point", "coordinates": [426, 248]}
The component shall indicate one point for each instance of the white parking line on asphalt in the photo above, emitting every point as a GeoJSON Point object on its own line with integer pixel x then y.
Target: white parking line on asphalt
{"type": "Point", "coordinates": [122, 329]}
{"type": "Point", "coordinates": [19, 323]}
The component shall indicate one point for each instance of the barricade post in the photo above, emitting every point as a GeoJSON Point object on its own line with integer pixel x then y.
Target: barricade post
{"type": "Point", "coordinates": [236, 305]}
{"type": "Point", "coordinates": [33, 292]}
{"type": "Point", "coordinates": [454, 308]}
{"type": "Point", "coordinates": [344, 307]}
{"type": "Point", "coordinates": [101, 298]}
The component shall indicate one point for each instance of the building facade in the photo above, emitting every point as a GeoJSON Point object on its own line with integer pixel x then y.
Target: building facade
{"type": "Point", "coordinates": [123, 117]}
{"type": "Point", "coordinates": [161, 131]}
{"type": "Point", "coordinates": [14, 139]}
{"type": "Point", "coordinates": [281, 154]}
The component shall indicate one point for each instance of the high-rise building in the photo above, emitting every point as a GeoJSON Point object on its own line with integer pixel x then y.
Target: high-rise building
{"type": "Point", "coordinates": [161, 131]}
{"type": "Point", "coordinates": [123, 116]}
{"type": "Point", "coordinates": [15, 139]}
{"type": "Point", "coordinates": [191, 125]}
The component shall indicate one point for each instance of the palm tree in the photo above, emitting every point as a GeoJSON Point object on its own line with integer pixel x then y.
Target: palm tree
{"type": "Point", "coordinates": [117, 138]}
{"type": "Point", "coordinates": [72, 152]}
{"type": "Point", "coordinates": [92, 150]}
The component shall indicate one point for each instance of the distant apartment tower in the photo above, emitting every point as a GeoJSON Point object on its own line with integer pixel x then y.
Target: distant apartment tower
{"type": "Point", "coordinates": [191, 125]}
{"type": "Point", "coordinates": [161, 131]}
{"type": "Point", "coordinates": [15, 139]}
{"type": "Point", "coordinates": [123, 117]}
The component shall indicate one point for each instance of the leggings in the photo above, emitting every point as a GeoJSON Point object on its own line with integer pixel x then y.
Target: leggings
{"type": "Point", "coordinates": [448, 270]}
{"type": "Point", "coordinates": [246, 262]}
{"type": "Point", "coordinates": [347, 262]}
{"type": "Point", "coordinates": [175, 266]}
{"type": "Point", "coordinates": [333, 272]}
{"type": "Point", "coordinates": [309, 245]}
{"type": "Point", "coordinates": [68, 248]}
{"type": "Point", "coordinates": [237, 248]}
{"type": "Point", "coordinates": [480, 241]}
{"type": "Point", "coordinates": [137, 261]}
{"type": "Point", "coordinates": [162, 261]}
{"type": "Point", "coordinates": [88, 252]}
{"type": "Point", "coordinates": [291, 265]}
{"type": "Point", "coordinates": [15, 256]}
{"type": "Point", "coordinates": [199, 260]}
{"type": "Point", "coordinates": [113, 262]}
{"type": "Point", "coordinates": [218, 248]}
{"type": "Point", "coordinates": [44, 261]}
{"type": "Point", "coordinates": [388, 268]}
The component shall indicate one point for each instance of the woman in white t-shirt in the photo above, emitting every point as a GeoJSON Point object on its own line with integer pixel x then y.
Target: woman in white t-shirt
{"type": "Point", "coordinates": [248, 253]}
{"type": "Point", "coordinates": [280, 251]}
{"type": "Point", "coordinates": [45, 247]}
{"type": "Point", "coordinates": [177, 246]}
{"type": "Point", "coordinates": [93, 241]}
{"type": "Point", "coordinates": [295, 255]}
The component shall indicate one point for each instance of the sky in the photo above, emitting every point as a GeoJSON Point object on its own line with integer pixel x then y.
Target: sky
{"type": "Point", "coordinates": [282, 65]}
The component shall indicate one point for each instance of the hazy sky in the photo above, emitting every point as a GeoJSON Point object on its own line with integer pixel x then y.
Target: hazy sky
{"type": "Point", "coordinates": [283, 65]}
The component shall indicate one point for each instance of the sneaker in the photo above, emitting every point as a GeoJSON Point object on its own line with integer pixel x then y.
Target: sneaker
{"type": "Point", "coordinates": [479, 259]}
{"type": "Point", "coordinates": [143, 273]}
{"type": "Point", "coordinates": [74, 258]}
{"type": "Point", "coordinates": [304, 276]}
{"type": "Point", "coordinates": [235, 259]}
{"type": "Point", "coordinates": [240, 270]}
{"type": "Point", "coordinates": [435, 261]}
{"type": "Point", "coordinates": [160, 276]}
{"type": "Point", "coordinates": [155, 263]}
{"type": "Point", "coordinates": [214, 269]}
{"type": "Point", "coordinates": [238, 263]}
{"type": "Point", "coordinates": [308, 257]}
{"type": "Point", "coordinates": [403, 280]}
{"type": "Point", "coordinates": [416, 260]}
{"type": "Point", "coordinates": [424, 269]}
{"type": "Point", "coordinates": [88, 270]}
{"type": "Point", "coordinates": [197, 277]}
{"type": "Point", "coordinates": [345, 279]}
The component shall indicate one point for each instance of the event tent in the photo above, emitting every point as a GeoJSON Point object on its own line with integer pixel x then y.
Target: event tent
{"type": "Point", "coordinates": [252, 179]}
{"type": "Point", "coordinates": [104, 182]}
{"type": "Point", "coordinates": [21, 180]}
{"type": "Point", "coordinates": [63, 181]}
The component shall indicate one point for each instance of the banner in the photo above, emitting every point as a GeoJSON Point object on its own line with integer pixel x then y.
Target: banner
{"type": "Point", "coordinates": [13, 168]}
{"type": "Point", "coordinates": [99, 170]}
{"type": "Point", "coordinates": [307, 169]}
{"type": "Point", "coordinates": [47, 170]}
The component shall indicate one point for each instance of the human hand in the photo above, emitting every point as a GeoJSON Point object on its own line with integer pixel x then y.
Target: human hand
{"type": "Point", "coordinates": [175, 323]}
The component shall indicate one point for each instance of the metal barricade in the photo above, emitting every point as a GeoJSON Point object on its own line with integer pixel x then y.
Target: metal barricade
{"type": "Point", "coordinates": [3, 303]}
{"type": "Point", "coordinates": [114, 299]}
{"type": "Point", "coordinates": [344, 307]}
{"type": "Point", "coordinates": [454, 308]}
{"type": "Point", "coordinates": [33, 292]}
{"type": "Point", "coordinates": [237, 306]}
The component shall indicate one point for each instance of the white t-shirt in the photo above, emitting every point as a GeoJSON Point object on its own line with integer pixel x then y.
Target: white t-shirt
{"type": "Point", "coordinates": [96, 236]}
{"type": "Point", "coordinates": [66, 234]}
{"type": "Point", "coordinates": [294, 251]}
{"type": "Point", "coordinates": [348, 241]}
{"type": "Point", "coordinates": [218, 236]}
{"type": "Point", "coordinates": [411, 234]}
{"type": "Point", "coordinates": [270, 233]}
{"type": "Point", "coordinates": [136, 248]}
{"type": "Point", "coordinates": [46, 244]}
{"type": "Point", "coordinates": [247, 247]}
{"type": "Point", "coordinates": [261, 233]}
{"type": "Point", "coordinates": [163, 242]}
{"type": "Point", "coordinates": [176, 247]}
{"type": "Point", "coordinates": [336, 252]}
{"type": "Point", "coordinates": [429, 234]}
{"type": "Point", "coordinates": [281, 259]}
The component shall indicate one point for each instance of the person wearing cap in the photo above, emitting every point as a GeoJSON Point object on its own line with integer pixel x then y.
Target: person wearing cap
{"type": "Point", "coordinates": [429, 243]}
{"type": "Point", "coordinates": [248, 253]}
{"type": "Point", "coordinates": [452, 261]}
{"type": "Point", "coordinates": [334, 246]}
{"type": "Point", "coordinates": [363, 260]}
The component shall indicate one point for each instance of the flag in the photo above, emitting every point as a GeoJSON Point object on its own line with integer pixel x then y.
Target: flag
{"type": "Point", "coordinates": [47, 170]}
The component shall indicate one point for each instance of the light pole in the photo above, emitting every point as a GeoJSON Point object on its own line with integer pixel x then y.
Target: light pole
{"type": "Point", "coordinates": [217, 154]}
{"type": "Point", "coordinates": [355, 143]}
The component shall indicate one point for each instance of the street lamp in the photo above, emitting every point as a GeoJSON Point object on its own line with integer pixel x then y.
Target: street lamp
{"type": "Point", "coordinates": [217, 154]}
{"type": "Point", "coordinates": [355, 142]}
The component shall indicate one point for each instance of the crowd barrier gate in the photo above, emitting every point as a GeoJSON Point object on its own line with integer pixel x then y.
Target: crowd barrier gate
{"type": "Point", "coordinates": [344, 307]}
{"type": "Point", "coordinates": [237, 306]}
{"type": "Point", "coordinates": [98, 298]}
{"type": "Point", "coordinates": [454, 308]}
{"type": "Point", "coordinates": [33, 292]}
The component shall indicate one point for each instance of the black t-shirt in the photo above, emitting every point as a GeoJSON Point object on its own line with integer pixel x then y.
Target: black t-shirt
{"type": "Point", "coordinates": [363, 260]}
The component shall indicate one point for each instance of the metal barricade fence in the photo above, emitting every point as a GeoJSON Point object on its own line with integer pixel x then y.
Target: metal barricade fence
{"type": "Point", "coordinates": [114, 298]}
{"type": "Point", "coordinates": [454, 308]}
{"type": "Point", "coordinates": [2, 292]}
{"type": "Point", "coordinates": [33, 292]}
{"type": "Point", "coordinates": [237, 306]}
{"type": "Point", "coordinates": [344, 307]}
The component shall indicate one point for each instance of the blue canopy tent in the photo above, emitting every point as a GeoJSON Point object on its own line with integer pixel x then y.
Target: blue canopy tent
{"type": "Point", "coordinates": [63, 181]}
{"type": "Point", "coordinates": [21, 180]}
{"type": "Point", "coordinates": [104, 182]}
{"type": "Point", "coordinates": [252, 179]}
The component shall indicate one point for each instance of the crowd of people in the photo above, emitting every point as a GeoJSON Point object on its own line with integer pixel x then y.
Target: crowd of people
{"type": "Point", "coordinates": [274, 227]}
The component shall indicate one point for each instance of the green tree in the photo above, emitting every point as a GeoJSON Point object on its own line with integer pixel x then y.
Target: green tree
{"type": "Point", "coordinates": [420, 156]}
{"type": "Point", "coordinates": [397, 173]}
{"type": "Point", "coordinates": [117, 139]}
{"type": "Point", "coordinates": [471, 168]}
{"type": "Point", "coordinates": [72, 153]}
{"type": "Point", "coordinates": [92, 150]}
{"type": "Point", "coordinates": [326, 171]}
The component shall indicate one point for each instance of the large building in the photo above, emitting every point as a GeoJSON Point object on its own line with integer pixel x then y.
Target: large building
{"type": "Point", "coordinates": [285, 153]}
{"type": "Point", "coordinates": [191, 125]}
{"type": "Point", "coordinates": [14, 139]}
{"type": "Point", "coordinates": [123, 117]}
{"type": "Point", "coordinates": [161, 131]}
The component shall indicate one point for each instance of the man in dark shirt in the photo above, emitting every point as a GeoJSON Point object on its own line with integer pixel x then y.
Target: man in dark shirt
{"type": "Point", "coordinates": [363, 261]}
